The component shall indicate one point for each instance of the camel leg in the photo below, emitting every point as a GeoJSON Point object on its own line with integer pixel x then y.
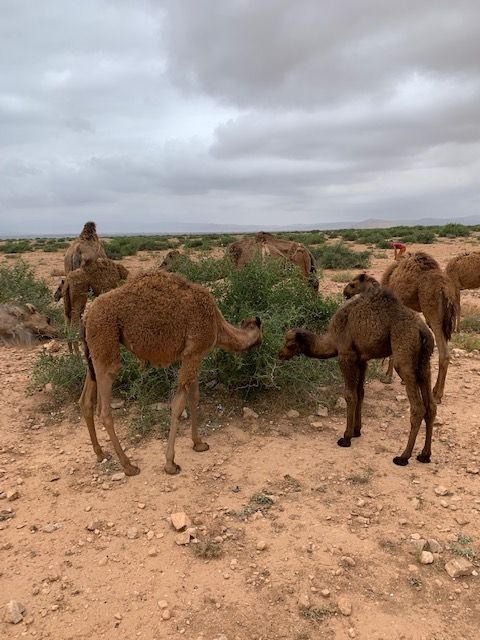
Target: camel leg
{"type": "Point", "coordinates": [178, 405]}
{"type": "Point", "coordinates": [430, 413]}
{"type": "Point", "coordinates": [387, 378]}
{"type": "Point", "coordinates": [193, 397]}
{"type": "Point", "coordinates": [443, 361]}
{"type": "Point", "coordinates": [417, 412]}
{"type": "Point", "coordinates": [457, 310]}
{"type": "Point", "coordinates": [87, 404]}
{"type": "Point", "coordinates": [362, 370]}
{"type": "Point", "coordinates": [104, 385]}
{"type": "Point", "coordinates": [350, 371]}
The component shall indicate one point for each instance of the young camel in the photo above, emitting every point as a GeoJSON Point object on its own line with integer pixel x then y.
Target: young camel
{"type": "Point", "coordinates": [161, 318]}
{"type": "Point", "coordinates": [421, 285]}
{"type": "Point", "coordinates": [86, 248]}
{"type": "Point", "coordinates": [464, 271]}
{"type": "Point", "coordinates": [97, 276]}
{"type": "Point", "coordinates": [268, 246]}
{"type": "Point", "coordinates": [375, 325]}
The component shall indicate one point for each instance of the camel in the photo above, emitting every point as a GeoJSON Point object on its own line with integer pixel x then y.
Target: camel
{"type": "Point", "coordinates": [464, 271]}
{"type": "Point", "coordinates": [161, 318]}
{"type": "Point", "coordinates": [86, 247]}
{"type": "Point", "coordinates": [243, 251]}
{"type": "Point", "coordinates": [421, 285]}
{"type": "Point", "coordinates": [170, 259]}
{"type": "Point", "coordinates": [97, 276]}
{"type": "Point", "coordinates": [375, 325]}
{"type": "Point", "coordinates": [23, 325]}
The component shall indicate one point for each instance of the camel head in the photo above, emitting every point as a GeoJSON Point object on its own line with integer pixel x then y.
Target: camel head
{"type": "Point", "coordinates": [89, 231]}
{"type": "Point", "coordinates": [122, 271]}
{"type": "Point", "coordinates": [253, 325]}
{"type": "Point", "coordinates": [170, 259]}
{"type": "Point", "coordinates": [295, 343]}
{"type": "Point", "coordinates": [360, 284]}
{"type": "Point", "coordinates": [59, 292]}
{"type": "Point", "coordinates": [38, 323]}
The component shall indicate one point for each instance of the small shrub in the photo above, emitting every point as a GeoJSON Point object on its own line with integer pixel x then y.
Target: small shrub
{"type": "Point", "coordinates": [65, 372]}
{"type": "Point", "coordinates": [18, 284]}
{"type": "Point", "coordinates": [466, 341]}
{"type": "Point", "coordinates": [207, 548]}
{"type": "Point", "coordinates": [339, 256]}
{"type": "Point", "coordinates": [15, 246]}
{"type": "Point", "coordinates": [470, 324]}
{"type": "Point", "coordinates": [453, 230]}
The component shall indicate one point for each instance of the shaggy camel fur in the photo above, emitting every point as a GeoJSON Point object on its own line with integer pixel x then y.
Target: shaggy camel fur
{"type": "Point", "coordinates": [375, 325]}
{"type": "Point", "coordinates": [420, 284]}
{"type": "Point", "coordinates": [98, 277]}
{"type": "Point", "coordinates": [243, 251]}
{"type": "Point", "coordinates": [464, 271]}
{"type": "Point", "coordinates": [161, 318]}
{"type": "Point", "coordinates": [86, 248]}
{"type": "Point", "coordinates": [22, 325]}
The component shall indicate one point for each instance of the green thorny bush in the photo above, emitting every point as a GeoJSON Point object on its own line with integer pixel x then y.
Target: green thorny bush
{"type": "Point", "coordinates": [340, 256]}
{"type": "Point", "coordinates": [18, 285]}
{"type": "Point", "coordinates": [276, 292]}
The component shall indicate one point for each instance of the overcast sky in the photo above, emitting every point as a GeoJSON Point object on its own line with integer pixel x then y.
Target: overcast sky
{"type": "Point", "coordinates": [138, 112]}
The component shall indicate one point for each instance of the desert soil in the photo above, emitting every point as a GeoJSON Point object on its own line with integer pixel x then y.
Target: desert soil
{"type": "Point", "coordinates": [327, 547]}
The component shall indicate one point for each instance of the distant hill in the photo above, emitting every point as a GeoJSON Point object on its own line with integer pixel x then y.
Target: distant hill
{"type": "Point", "coordinates": [181, 228]}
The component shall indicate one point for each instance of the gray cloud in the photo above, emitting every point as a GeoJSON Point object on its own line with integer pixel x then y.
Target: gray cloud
{"type": "Point", "coordinates": [261, 112]}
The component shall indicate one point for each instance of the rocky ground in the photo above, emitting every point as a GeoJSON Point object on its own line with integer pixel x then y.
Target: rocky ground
{"type": "Point", "coordinates": [275, 532]}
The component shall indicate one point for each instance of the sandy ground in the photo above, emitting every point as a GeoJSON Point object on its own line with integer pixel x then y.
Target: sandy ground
{"type": "Point", "coordinates": [326, 549]}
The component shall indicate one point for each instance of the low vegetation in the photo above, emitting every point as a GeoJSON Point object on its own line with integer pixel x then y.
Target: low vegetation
{"type": "Point", "coordinates": [340, 256]}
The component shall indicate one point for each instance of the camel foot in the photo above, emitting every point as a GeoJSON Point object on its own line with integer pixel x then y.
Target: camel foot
{"type": "Point", "coordinates": [402, 462]}
{"type": "Point", "coordinates": [386, 379]}
{"type": "Point", "coordinates": [343, 442]}
{"type": "Point", "coordinates": [101, 456]}
{"type": "Point", "coordinates": [131, 470]}
{"type": "Point", "coordinates": [172, 469]}
{"type": "Point", "coordinates": [422, 457]}
{"type": "Point", "coordinates": [201, 446]}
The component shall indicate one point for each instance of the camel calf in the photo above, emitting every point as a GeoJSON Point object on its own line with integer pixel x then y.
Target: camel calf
{"type": "Point", "coordinates": [23, 325]}
{"type": "Point", "coordinates": [464, 271]}
{"type": "Point", "coordinates": [97, 276]}
{"type": "Point", "coordinates": [421, 285]}
{"type": "Point", "coordinates": [161, 318]}
{"type": "Point", "coordinates": [375, 325]}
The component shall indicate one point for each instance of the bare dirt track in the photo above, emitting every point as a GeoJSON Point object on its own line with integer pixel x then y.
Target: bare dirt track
{"type": "Point", "coordinates": [318, 541]}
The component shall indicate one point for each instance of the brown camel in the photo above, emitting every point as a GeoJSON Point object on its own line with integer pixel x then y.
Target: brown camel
{"type": "Point", "coordinates": [421, 285]}
{"type": "Point", "coordinates": [24, 324]}
{"type": "Point", "coordinates": [268, 246]}
{"type": "Point", "coordinates": [85, 248]}
{"type": "Point", "coordinates": [170, 259]}
{"type": "Point", "coordinates": [97, 276]}
{"type": "Point", "coordinates": [161, 318]}
{"type": "Point", "coordinates": [375, 325]}
{"type": "Point", "coordinates": [464, 271]}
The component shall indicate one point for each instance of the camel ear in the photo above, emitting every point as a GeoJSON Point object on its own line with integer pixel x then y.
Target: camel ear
{"type": "Point", "coordinates": [258, 321]}
{"type": "Point", "coordinates": [31, 307]}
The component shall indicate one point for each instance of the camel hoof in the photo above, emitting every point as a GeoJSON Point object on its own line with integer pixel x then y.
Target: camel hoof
{"type": "Point", "coordinates": [172, 469]}
{"type": "Point", "coordinates": [423, 458]}
{"type": "Point", "coordinates": [103, 456]}
{"type": "Point", "coordinates": [343, 442]}
{"type": "Point", "coordinates": [402, 462]}
{"type": "Point", "coordinates": [201, 446]}
{"type": "Point", "coordinates": [131, 470]}
{"type": "Point", "coordinates": [386, 379]}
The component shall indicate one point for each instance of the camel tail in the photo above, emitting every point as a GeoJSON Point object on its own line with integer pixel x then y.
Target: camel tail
{"type": "Point", "coordinates": [449, 314]}
{"type": "Point", "coordinates": [425, 353]}
{"type": "Point", "coordinates": [86, 351]}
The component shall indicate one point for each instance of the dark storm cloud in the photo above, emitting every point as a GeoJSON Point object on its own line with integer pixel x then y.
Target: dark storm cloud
{"type": "Point", "coordinates": [261, 112]}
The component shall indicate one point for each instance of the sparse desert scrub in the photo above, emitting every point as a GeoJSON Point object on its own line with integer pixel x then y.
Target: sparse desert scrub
{"type": "Point", "coordinates": [340, 256]}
